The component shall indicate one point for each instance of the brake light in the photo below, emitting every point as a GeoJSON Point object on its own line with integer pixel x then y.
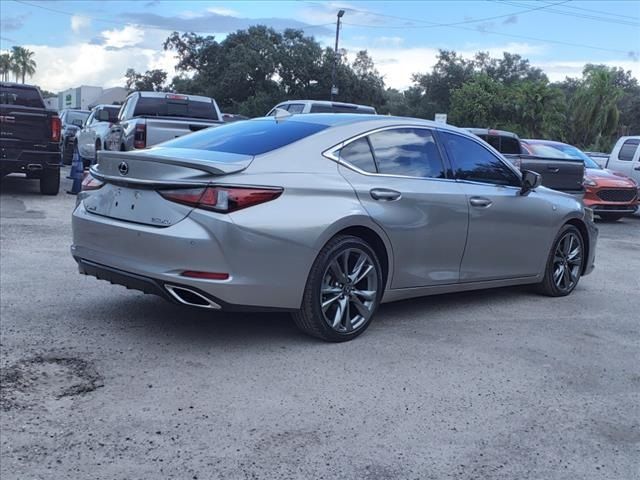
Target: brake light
{"type": "Point", "coordinates": [91, 183]}
{"type": "Point", "coordinates": [140, 136]}
{"type": "Point", "coordinates": [173, 96]}
{"type": "Point", "coordinates": [221, 199]}
{"type": "Point", "coordinates": [56, 126]}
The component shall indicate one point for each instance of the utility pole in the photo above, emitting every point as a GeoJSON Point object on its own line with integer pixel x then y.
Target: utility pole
{"type": "Point", "coordinates": [334, 88]}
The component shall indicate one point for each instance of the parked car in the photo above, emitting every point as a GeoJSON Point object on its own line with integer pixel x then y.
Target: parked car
{"type": "Point", "coordinates": [233, 117]}
{"type": "Point", "coordinates": [72, 122]}
{"type": "Point", "coordinates": [325, 216]}
{"type": "Point", "coordinates": [29, 136]}
{"type": "Point", "coordinates": [321, 106]}
{"type": "Point", "coordinates": [564, 174]}
{"type": "Point", "coordinates": [625, 157]}
{"type": "Point", "coordinates": [148, 118]}
{"type": "Point", "coordinates": [599, 157]}
{"type": "Point", "coordinates": [610, 195]}
{"type": "Point", "coordinates": [91, 139]}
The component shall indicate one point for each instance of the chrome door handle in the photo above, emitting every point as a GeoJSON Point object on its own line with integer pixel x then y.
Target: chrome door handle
{"type": "Point", "coordinates": [480, 202]}
{"type": "Point", "coordinates": [384, 194]}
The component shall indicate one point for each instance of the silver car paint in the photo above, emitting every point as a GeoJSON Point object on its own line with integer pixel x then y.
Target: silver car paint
{"type": "Point", "coordinates": [268, 249]}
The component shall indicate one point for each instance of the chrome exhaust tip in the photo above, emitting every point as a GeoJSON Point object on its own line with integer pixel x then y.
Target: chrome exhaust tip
{"type": "Point", "coordinates": [34, 166]}
{"type": "Point", "coordinates": [190, 297]}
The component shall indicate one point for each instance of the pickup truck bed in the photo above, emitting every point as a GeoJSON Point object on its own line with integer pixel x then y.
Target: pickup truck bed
{"type": "Point", "coordinates": [29, 136]}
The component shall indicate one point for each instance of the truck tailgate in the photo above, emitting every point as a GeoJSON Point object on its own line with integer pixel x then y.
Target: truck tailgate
{"type": "Point", "coordinates": [557, 173]}
{"type": "Point", "coordinates": [163, 129]}
{"type": "Point", "coordinates": [25, 123]}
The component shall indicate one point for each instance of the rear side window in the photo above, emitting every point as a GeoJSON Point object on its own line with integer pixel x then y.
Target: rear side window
{"type": "Point", "coordinates": [113, 113]}
{"type": "Point", "coordinates": [295, 108]}
{"type": "Point", "coordinates": [358, 153]}
{"type": "Point", "coordinates": [628, 150]}
{"type": "Point", "coordinates": [23, 97]}
{"type": "Point", "coordinates": [503, 144]}
{"type": "Point", "coordinates": [252, 137]}
{"type": "Point", "coordinates": [168, 107]}
{"type": "Point", "coordinates": [410, 152]}
{"type": "Point", "coordinates": [473, 162]}
{"type": "Point", "coordinates": [335, 108]}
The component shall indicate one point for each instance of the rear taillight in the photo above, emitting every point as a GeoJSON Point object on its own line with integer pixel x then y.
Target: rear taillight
{"type": "Point", "coordinates": [56, 126]}
{"type": "Point", "coordinates": [91, 183]}
{"type": "Point", "coordinates": [222, 199]}
{"type": "Point", "coordinates": [140, 136]}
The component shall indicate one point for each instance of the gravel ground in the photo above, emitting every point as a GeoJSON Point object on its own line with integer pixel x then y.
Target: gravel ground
{"type": "Point", "coordinates": [104, 383]}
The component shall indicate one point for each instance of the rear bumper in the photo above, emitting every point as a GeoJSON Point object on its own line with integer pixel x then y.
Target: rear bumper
{"type": "Point", "coordinates": [28, 161]}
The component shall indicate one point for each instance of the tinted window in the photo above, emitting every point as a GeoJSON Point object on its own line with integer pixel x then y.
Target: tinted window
{"type": "Point", "coordinates": [23, 97]}
{"type": "Point", "coordinates": [167, 107]}
{"type": "Point", "coordinates": [628, 150]}
{"type": "Point", "coordinates": [407, 151]}
{"type": "Point", "coordinates": [71, 116]}
{"type": "Point", "coordinates": [296, 108]}
{"type": "Point", "coordinates": [358, 154]}
{"type": "Point", "coordinates": [502, 144]}
{"type": "Point", "coordinates": [335, 108]}
{"type": "Point", "coordinates": [112, 111]}
{"type": "Point", "coordinates": [248, 138]}
{"type": "Point", "coordinates": [471, 161]}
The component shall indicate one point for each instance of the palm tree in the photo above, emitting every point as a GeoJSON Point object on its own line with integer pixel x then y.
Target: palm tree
{"type": "Point", "coordinates": [5, 66]}
{"type": "Point", "coordinates": [25, 64]}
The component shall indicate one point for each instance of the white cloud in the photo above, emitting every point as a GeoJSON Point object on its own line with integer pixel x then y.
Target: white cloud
{"type": "Point", "coordinates": [78, 23]}
{"type": "Point", "coordinates": [559, 70]}
{"type": "Point", "coordinates": [223, 11]}
{"type": "Point", "coordinates": [94, 65]}
{"type": "Point", "coordinates": [388, 41]}
{"type": "Point", "coordinates": [128, 36]}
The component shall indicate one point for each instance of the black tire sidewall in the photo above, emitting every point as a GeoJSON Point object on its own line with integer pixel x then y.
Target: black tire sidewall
{"type": "Point", "coordinates": [320, 265]}
{"type": "Point", "coordinates": [548, 280]}
{"type": "Point", "coordinates": [50, 181]}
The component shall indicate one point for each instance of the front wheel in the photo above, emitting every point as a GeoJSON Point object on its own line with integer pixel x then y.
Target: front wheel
{"type": "Point", "coordinates": [343, 291]}
{"type": "Point", "coordinates": [564, 266]}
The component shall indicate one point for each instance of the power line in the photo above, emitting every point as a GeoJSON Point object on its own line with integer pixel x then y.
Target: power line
{"type": "Point", "coordinates": [600, 12]}
{"type": "Point", "coordinates": [126, 24]}
{"type": "Point", "coordinates": [573, 14]}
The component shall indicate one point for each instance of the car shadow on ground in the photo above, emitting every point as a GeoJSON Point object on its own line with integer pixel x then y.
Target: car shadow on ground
{"type": "Point", "coordinates": [147, 316]}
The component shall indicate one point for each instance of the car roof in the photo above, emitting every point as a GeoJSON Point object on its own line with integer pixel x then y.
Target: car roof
{"type": "Point", "coordinates": [327, 102]}
{"type": "Point", "coordinates": [544, 142]}
{"type": "Point", "coordinates": [106, 105]}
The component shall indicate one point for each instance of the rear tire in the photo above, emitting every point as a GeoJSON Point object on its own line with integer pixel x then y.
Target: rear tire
{"type": "Point", "coordinates": [67, 154]}
{"type": "Point", "coordinates": [565, 263]}
{"type": "Point", "coordinates": [50, 181]}
{"type": "Point", "coordinates": [343, 291]}
{"type": "Point", "coordinates": [610, 217]}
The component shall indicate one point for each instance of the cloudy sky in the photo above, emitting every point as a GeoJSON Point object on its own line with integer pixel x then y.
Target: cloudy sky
{"type": "Point", "coordinates": [93, 42]}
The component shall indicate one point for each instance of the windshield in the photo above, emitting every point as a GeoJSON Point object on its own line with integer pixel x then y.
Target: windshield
{"type": "Point", "coordinates": [566, 151]}
{"type": "Point", "coordinates": [71, 116]}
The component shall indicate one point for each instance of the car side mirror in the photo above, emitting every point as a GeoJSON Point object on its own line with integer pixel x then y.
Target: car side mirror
{"type": "Point", "coordinates": [530, 181]}
{"type": "Point", "coordinates": [103, 116]}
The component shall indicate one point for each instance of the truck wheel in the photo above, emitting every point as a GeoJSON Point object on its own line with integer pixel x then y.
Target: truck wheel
{"type": "Point", "coordinates": [50, 181]}
{"type": "Point", "coordinates": [67, 154]}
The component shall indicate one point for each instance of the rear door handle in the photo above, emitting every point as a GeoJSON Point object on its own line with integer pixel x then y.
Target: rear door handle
{"type": "Point", "coordinates": [480, 202]}
{"type": "Point", "coordinates": [385, 194]}
{"type": "Point", "coordinates": [637, 169]}
{"type": "Point", "coordinates": [553, 169]}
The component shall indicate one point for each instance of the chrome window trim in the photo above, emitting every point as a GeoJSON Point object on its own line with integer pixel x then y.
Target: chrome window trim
{"type": "Point", "coordinates": [332, 153]}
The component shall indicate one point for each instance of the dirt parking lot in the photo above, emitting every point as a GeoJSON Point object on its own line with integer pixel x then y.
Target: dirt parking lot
{"type": "Point", "coordinates": [104, 383]}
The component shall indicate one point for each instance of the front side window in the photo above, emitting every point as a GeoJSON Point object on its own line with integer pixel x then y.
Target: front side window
{"type": "Point", "coordinates": [471, 161]}
{"type": "Point", "coordinates": [628, 150]}
{"type": "Point", "coordinates": [410, 152]}
{"type": "Point", "coordinates": [358, 153]}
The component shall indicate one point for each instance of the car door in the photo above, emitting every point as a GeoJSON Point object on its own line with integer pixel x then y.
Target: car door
{"type": "Point", "coordinates": [85, 136]}
{"type": "Point", "coordinates": [509, 234]}
{"type": "Point", "coordinates": [400, 178]}
{"type": "Point", "coordinates": [627, 159]}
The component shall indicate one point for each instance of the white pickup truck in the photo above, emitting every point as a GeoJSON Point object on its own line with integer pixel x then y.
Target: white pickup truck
{"type": "Point", "coordinates": [148, 118]}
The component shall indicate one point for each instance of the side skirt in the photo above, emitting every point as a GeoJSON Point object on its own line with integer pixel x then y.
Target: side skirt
{"type": "Point", "coordinates": [405, 293]}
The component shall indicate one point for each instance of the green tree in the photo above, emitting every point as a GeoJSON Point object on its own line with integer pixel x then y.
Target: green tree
{"type": "Point", "coordinates": [24, 64]}
{"type": "Point", "coordinates": [151, 80]}
{"type": "Point", "coordinates": [6, 66]}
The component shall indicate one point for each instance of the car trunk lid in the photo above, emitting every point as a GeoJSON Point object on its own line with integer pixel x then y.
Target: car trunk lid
{"type": "Point", "coordinates": [133, 179]}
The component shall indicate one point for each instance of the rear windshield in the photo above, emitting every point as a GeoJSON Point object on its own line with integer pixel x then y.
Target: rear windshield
{"type": "Point", "coordinates": [168, 107]}
{"type": "Point", "coordinates": [71, 116]}
{"type": "Point", "coordinates": [502, 144]}
{"type": "Point", "coordinates": [23, 97]}
{"type": "Point", "coordinates": [324, 108]}
{"type": "Point", "coordinates": [252, 137]}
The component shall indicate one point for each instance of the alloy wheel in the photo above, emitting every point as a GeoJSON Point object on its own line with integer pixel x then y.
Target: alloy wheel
{"type": "Point", "coordinates": [567, 262]}
{"type": "Point", "coordinates": [349, 290]}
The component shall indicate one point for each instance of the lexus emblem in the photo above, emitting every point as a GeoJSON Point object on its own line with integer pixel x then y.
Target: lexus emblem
{"type": "Point", "coordinates": [123, 168]}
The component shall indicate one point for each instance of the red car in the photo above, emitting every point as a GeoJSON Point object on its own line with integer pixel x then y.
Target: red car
{"type": "Point", "coordinates": [611, 195]}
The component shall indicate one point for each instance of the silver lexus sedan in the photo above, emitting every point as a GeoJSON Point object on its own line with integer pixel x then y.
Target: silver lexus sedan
{"type": "Point", "coordinates": [325, 216]}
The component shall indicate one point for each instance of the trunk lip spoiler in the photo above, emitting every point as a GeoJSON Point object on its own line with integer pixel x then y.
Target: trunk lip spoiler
{"type": "Point", "coordinates": [152, 184]}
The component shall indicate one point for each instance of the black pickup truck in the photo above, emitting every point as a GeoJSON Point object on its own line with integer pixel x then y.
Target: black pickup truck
{"type": "Point", "coordinates": [29, 136]}
{"type": "Point", "coordinates": [565, 175]}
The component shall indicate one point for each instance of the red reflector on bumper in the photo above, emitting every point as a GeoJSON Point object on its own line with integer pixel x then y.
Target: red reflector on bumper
{"type": "Point", "coordinates": [205, 275]}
